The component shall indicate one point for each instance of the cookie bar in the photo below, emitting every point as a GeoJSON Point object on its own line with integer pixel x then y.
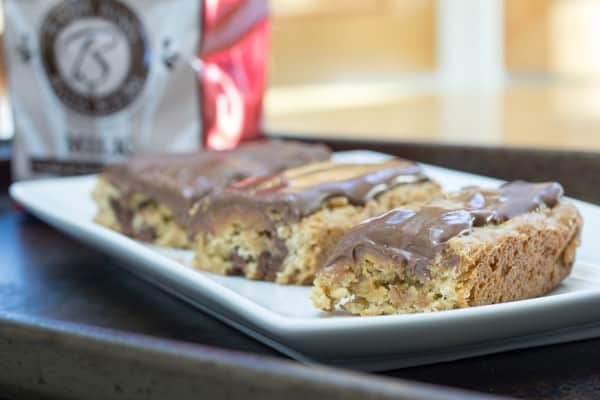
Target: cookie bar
{"type": "Point", "coordinates": [470, 248]}
{"type": "Point", "coordinates": [283, 227]}
{"type": "Point", "coordinates": [150, 197]}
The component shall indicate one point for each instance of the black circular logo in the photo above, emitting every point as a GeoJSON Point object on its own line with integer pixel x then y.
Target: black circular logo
{"type": "Point", "coordinates": [95, 54]}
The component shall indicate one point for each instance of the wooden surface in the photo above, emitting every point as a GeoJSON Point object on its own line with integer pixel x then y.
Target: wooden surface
{"type": "Point", "coordinates": [46, 274]}
{"type": "Point", "coordinates": [527, 35]}
{"type": "Point", "coordinates": [542, 116]}
{"type": "Point", "coordinates": [350, 39]}
{"type": "Point", "coordinates": [321, 41]}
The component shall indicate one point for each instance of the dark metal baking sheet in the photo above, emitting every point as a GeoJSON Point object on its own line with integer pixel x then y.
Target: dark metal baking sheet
{"type": "Point", "coordinates": [42, 358]}
{"type": "Point", "coordinates": [46, 278]}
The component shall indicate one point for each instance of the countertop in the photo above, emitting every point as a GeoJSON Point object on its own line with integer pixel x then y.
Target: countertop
{"type": "Point", "coordinates": [527, 113]}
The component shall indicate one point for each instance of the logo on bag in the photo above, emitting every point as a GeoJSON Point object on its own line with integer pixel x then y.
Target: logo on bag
{"type": "Point", "coordinates": [95, 54]}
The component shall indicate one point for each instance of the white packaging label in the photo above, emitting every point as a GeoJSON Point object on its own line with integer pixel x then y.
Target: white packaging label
{"type": "Point", "coordinates": [96, 80]}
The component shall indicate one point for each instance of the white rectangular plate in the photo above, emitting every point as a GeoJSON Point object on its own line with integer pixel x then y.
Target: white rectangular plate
{"type": "Point", "coordinates": [283, 316]}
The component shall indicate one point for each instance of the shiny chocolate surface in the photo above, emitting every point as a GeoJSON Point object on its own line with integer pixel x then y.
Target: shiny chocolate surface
{"type": "Point", "coordinates": [416, 237]}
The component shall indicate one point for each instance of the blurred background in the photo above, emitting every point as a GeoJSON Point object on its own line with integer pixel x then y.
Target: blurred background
{"type": "Point", "coordinates": [494, 72]}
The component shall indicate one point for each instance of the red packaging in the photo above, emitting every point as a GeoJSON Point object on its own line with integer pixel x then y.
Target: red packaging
{"type": "Point", "coordinates": [94, 81]}
{"type": "Point", "coordinates": [234, 54]}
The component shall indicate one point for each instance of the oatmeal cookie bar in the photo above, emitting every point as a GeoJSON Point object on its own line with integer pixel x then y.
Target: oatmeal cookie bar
{"type": "Point", "coordinates": [283, 227]}
{"type": "Point", "coordinates": [150, 197]}
{"type": "Point", "coordinates": [470, 248]}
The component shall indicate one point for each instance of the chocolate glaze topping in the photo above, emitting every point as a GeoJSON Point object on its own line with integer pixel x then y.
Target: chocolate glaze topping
{"type": "Point", "coordinates": [418, 236]}
{"type": "Point", "coordinates": [302, 191]}
{"type": "Point", "coordinates": [180, 180]}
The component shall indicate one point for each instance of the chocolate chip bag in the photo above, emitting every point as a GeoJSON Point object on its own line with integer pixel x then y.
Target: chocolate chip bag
{"type": "Point", "coordinates": [93, 81]}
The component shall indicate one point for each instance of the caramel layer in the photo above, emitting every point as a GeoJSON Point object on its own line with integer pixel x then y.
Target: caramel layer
{"type": "Point", "coordinates": [299, 192]}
